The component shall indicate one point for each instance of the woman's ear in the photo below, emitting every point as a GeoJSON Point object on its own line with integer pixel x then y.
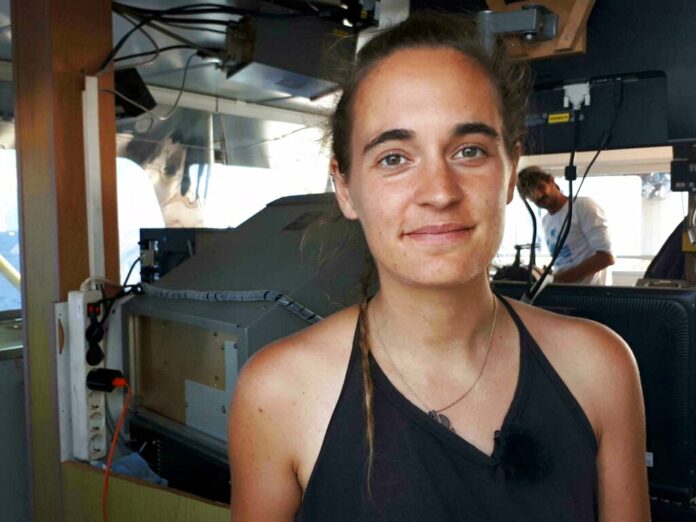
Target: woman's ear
{"type": "Point", "coordinates": [345, 201]}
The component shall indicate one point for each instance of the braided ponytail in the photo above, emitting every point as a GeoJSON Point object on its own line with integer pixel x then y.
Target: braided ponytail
{"type": "Point", "coordinates": [365, 360]}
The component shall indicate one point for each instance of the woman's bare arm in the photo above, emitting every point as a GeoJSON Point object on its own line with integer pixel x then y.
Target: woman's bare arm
{"type": "Point", "coordinates": [261, 447]}
{"type": "Point", "coordinates": [601, 373]}
{"type": "Point", "coordinates": [622, 472]}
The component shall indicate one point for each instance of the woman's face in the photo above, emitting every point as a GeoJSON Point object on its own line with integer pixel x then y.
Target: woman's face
{"type": "Point", "coordinates": [430, 175]}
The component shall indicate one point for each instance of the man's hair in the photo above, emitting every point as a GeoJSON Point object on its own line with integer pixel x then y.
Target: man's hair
{"type": "Point", "coordinates": [529, 180]}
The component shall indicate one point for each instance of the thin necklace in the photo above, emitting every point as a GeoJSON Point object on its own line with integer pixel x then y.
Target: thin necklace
{"type": "Point", "coordinates": [437, 413]}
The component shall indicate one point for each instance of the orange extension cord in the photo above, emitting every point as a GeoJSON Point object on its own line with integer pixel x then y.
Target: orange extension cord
{"type": "Point", "coordinates": [119, 382]}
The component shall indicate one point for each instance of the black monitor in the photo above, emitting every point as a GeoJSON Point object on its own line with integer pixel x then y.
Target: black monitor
{"type": "Point", "coordinates": [626, 111]}
{"type": "Point", "coordinates": [647, 47]}
{"type": "Point", "coordinates": [660, 327]}
{"type": "Point", "coordinates": [644, 48]}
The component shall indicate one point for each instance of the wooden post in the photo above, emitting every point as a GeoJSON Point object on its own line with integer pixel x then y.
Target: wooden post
{"type": "Point", "coordinates": [55, 42]}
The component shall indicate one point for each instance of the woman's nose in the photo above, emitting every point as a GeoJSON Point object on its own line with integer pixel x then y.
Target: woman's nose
{"type": "Point", "coordinates": [439, 185]}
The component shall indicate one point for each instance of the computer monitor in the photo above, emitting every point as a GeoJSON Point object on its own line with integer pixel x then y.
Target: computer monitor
{"type": "Point", "coordinates": [660, 327]}
{"type": "Point", "coordinates": [640, 46]}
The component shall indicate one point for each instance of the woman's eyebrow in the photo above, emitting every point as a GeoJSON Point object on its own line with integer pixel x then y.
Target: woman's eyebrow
{"type": "Point", "coordinates": [389, 135]}
{"type": "Point", "coordinates": [463, 129]}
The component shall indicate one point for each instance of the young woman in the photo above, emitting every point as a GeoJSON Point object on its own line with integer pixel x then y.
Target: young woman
{"type": "Point", "coordinates": [436, 400]}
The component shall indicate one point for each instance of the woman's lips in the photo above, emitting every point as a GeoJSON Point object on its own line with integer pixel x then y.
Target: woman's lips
{"type": "Point", "coordinates": [443, 233]}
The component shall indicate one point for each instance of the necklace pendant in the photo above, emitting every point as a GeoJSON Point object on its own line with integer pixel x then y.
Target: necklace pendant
{"type": "Point", "coordinates": [442, 419]}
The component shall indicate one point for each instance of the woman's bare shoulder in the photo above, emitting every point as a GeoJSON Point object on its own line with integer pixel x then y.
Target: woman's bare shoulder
{"type": "Point", "coordinates": [595, 363]}
{"type": "Point", "coordinates": [289, 365]}
{"type": "Point", "coordinates": [282, 398]}
{"type": "Point", "coordinates": [572, 337]}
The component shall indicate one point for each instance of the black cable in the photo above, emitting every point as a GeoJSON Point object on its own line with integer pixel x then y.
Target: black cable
{"type": "Point", "coordinates": [201, 9]}
{"type": "Point", "coordinates": [587, 169]}
{"type": "Point", "coordinates": [207, 9]}
{"type": "Point", "coordinates": [109, 303]}
{"type": "Point", "coordinates": [181, 90]}
{"type": "Point", "coordinates": [148, 111]}
{"type": "Point", "coordinates": [565, 228]}
{"type": "Point", "coordinates": [170, 20]}
{"type": "Point", "coordinates": [171, 15]}
{"type": "Point", "coordinates": [147, 53]}
{"type": "Point", "coordinates": [532, 250]}
{"type": "Point", "coordinates": [156, 48]}
{"type": "Point", "coordinates": [532, 292]}
{"type": "Point", "coordinates": [130, 270]}
{"type": "Point", "coordinates": [606, 138]}
{"type": "Point", "coordinates": [146, 17]}
{"type": "Point", "coordinates": [126, 289]}
{"type": "Point", "coordinates": [120, 43]}
{"type": "Point", "coordinates": [184, 9]}
{"type": "Point", "coordinates": [204, 51]}
{"type": "Point", "coordinates": [201, 29]}
{"type": "Point", "coordinates": [258, 143]}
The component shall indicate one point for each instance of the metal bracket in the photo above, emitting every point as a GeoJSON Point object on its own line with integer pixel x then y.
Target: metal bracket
{"type": "Point", "coordinates": [533, 22]}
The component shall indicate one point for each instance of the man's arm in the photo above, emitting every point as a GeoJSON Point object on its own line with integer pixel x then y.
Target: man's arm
{"type": "Point", "coordinates": [593, 264]}
{"type": "Point", "coordinates": [593, 224]}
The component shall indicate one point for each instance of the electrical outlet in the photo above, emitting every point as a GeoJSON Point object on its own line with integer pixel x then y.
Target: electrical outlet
{"type": "Point", "coordinates": [88, 407]}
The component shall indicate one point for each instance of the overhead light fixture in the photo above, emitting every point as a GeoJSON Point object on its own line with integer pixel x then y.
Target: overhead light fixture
{"type": "Point", "coordinates": [288, 56]}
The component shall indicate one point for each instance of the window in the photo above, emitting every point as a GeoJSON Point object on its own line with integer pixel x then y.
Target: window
{"type": "Point", "coordinates": [209, 170]}
{"type": "Point", "coordinates": [10, 295]}
{"type": "Point", "coordinates": [641, 213]}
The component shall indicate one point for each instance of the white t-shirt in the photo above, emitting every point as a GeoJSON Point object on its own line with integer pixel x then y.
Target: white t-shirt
{"type": "Point", "coordinates": [588, 234]}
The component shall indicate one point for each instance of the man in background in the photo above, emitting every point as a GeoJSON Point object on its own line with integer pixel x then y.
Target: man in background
{"type": "Point", "coordinates": [587, 250]}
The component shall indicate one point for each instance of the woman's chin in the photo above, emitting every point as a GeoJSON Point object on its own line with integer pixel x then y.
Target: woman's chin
{"type": "Point", "coordinates": [443, 278]}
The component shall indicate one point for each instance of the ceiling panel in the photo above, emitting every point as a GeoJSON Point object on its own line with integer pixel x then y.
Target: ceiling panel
{"type": "Point", "coordinates": [167, 70]}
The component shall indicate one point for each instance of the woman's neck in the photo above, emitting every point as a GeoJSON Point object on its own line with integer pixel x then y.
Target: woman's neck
{"type": "Point", "coordinates": [433, 320]}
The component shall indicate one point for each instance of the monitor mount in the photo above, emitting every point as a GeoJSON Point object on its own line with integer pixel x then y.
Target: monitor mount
{"type": "Point", "coordinates": [533, 23]}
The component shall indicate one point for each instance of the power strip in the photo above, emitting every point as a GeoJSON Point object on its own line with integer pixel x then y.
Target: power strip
{"type": "Point", "coordinates": [89, 435]}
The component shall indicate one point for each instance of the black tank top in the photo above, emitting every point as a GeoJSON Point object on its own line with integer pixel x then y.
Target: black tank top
{"type": "Point", "coordinates": [542, 467]}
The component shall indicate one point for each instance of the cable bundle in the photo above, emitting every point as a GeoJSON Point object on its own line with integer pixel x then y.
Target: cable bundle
{"type": "Point", "coordinates": [270, 296]}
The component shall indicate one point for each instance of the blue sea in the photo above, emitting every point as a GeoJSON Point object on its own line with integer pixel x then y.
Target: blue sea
{"type": "Point", "coordinates": [10, 297]}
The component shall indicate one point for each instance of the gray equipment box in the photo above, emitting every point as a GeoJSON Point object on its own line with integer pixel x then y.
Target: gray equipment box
{"type": "Point", "coordinates": [183, 356]}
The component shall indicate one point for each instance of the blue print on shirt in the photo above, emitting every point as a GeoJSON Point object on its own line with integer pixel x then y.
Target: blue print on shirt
{"type": "Point", "coordinates": [565, 254]}
{"type": "Point", "coordinates": [551, 239]}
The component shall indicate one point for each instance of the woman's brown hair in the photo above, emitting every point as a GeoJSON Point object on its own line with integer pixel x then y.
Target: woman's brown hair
{"type": "Point", "coordinates": [510, 79]}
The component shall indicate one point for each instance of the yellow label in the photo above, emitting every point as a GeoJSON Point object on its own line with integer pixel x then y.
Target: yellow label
{"type": "Point", "coordinates": [686, 243]}
{"type": "Point", "coordinates": [559, 117]}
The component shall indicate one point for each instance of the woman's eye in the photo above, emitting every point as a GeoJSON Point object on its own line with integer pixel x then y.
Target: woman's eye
{"type": "Point", "coordinates": [471, 152]}
{"type": "Point", "coordinates": [392, 160]}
